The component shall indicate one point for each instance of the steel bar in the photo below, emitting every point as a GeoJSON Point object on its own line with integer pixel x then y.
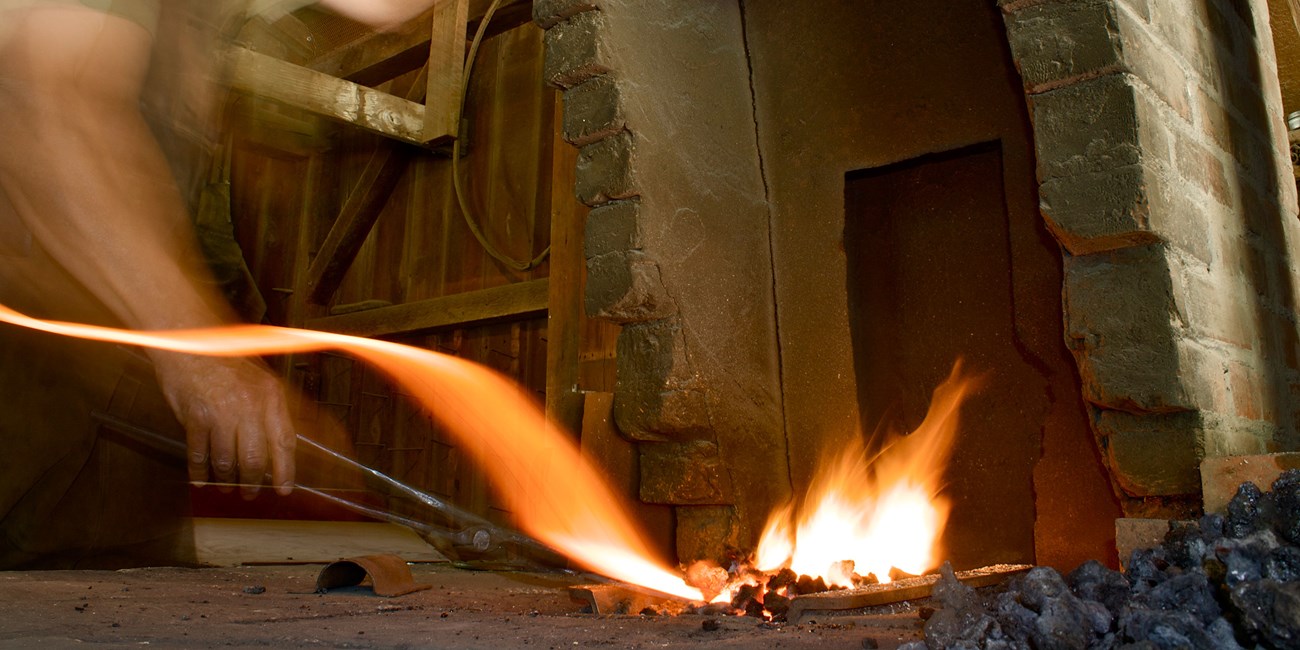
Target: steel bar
{"type": "Point", "coordinates": [475, 534]}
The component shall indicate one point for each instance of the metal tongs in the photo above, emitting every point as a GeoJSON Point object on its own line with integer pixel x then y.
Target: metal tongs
{"type": "Point", "coordinates": [474, 537]}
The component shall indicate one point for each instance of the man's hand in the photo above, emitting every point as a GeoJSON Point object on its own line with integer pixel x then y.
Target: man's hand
{"type": "Point", "coordinates": [379, 13]}
{"type": "Point", "coordinates": [236, 420]}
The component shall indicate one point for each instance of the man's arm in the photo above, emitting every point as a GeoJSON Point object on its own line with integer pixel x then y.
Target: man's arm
{"type": "Point", "coordinates": [379, 13]}
{"type": "Point", "coordinates": [88, 180]}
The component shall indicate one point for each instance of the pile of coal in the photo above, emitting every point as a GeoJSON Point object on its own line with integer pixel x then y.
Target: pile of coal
{"type": "Point", "coordinates": [1224, 582]}
{"type": "Point", "coordinates": [761, 595]}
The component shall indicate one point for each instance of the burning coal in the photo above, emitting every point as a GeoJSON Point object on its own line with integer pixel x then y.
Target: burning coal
{"type": "Point", "coordinates": [865, 518]}
{"type": "Point", "coordinates": [871, 515]}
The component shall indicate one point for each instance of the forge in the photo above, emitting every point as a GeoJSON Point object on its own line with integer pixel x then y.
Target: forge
{"type": "Point", "coordinates": [706, 252]}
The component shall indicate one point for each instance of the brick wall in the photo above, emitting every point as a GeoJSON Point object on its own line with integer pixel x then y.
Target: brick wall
{"type": "Point", "coordinates": [1164, 175]}
{"type": "Point", "coordinates": [1163, 172]}
{"type": "Point", "coordinates": [677, 251]}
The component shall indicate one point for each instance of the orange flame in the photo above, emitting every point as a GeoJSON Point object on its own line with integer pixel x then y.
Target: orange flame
{"type": "Point", "coordinates": [558, 497]}
{"type": "Point", "coordinates": [879, 515]}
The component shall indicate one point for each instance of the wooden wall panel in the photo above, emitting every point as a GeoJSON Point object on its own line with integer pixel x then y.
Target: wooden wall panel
{"type": "Point", "coordinates": [420, 248]}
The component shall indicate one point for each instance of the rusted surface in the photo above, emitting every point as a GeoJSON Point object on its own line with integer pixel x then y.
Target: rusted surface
{"type": "Point", "coordinates": [897, 591]}
{"type": "Point", "coordinates": [389, 575]}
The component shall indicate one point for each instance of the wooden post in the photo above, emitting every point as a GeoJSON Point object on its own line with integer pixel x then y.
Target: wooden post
{"type": "Point", "coordinates": [446, 71]}
{"type": "Point", "coordinates": [567, 266]}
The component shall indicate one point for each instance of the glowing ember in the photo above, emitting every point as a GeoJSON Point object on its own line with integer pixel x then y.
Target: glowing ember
{"type": "Point", "coordinates": [558, 497]}
{"type": "Point", "coordinates": [877, 514]}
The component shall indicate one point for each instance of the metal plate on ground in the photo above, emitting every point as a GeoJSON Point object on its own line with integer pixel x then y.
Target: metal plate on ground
{"type": "Point", "coordinates": [389, 575]}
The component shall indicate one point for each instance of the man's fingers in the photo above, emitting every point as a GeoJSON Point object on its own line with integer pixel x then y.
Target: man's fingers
{"type": "Point", "coordinates": [222, 445]}
{"type": "Point", "coordinates": [252, 460]}
{"type": "Point", "coordinates": [281, 441]}
{"type": "Point", "coordinates": [196, 442]}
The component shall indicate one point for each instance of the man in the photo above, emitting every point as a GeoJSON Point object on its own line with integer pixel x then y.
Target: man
{"type": "Point", "coordinates": [88, 203]}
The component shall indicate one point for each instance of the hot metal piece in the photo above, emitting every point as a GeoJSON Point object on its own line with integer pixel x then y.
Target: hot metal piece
{"type": "Point", "coordinates": [389, 575]}
{"type": "Point", "coordinates": [624, 599]}
{"type": "Point", "coordinates": [899, 590]}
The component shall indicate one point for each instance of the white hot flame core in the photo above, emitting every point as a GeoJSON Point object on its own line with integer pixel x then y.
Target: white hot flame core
{"type": "Point", "coordinates": [870, 516]}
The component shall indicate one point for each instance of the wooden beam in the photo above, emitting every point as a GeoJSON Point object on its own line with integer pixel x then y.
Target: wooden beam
{"type": "Point", "coordinates": [381, 56]}
{"type": "Point", "coordinates": [358, 216]}
{"type": "Point", "coordinates": [519, 300]}
{"type": "Point", "coordinates": [322, 94]}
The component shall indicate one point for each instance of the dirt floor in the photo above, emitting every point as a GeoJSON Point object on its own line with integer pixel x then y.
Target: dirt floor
{"type": "Point", "coordinates": [275, 606]}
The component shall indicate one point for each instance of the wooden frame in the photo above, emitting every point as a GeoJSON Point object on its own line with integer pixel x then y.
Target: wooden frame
{"type": "Point", "coordinates": [335, 86]}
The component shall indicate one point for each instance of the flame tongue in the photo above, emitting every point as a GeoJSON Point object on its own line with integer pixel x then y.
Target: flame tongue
{"type": "Point", "coordinates": [558, 497]}
{"type": "Point", "coordinates": [879, 514]}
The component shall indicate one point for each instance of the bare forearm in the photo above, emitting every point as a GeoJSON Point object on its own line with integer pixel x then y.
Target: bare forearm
{"type": "Point", "coordinates": [98, 198]}
{"type": "Point", "coordinates": [87, 179]}
{"type": "Point", "coordinates": [379, 12]}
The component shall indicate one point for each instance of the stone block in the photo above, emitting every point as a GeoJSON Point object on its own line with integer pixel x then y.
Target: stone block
{"type": "Point", "coordinates": [1087, 128]}
{"type": "Point", "coordinates": [1140, 8]}
{"type": "Point", "coordinates": [1202, 168]}
{"type": "Point", "coordinates": [1153, 455]}
{"type": "Point", "coordinates": [1133, 533]}
{"type": "Point", "coordinates": [548, 13]}
{"type": "Point", "coordinates": [593, 111]}
{"type": "Point", "coordinates": [1189, 224]}
{"type": "Point", "coordinates": [1119, 311]}
{"type": "Point", "coordinates": [689, 473]}
{"type": "Point", "coordinates": [1230, 435]}
{"type": "Point", "coordinates": [1057, 43]}
{"type": "Point", "coordinates": [1212, 119]}
{"type": "Point", "coordinates": [1097, 212]}
{"type": "Point", "coordinates": [1202, 368]}
{"type": "Point", "coordinates": [1248, 400]}
{"type": "Point", "coordinates": [1052, 42]}
{"type": "Point", "coordinates": [707, 533]}
{"type": "Point", "coordinates": [1221, 476]}
{"type": "Point", "coordinates": [626, 287]}
{"type": "Point", "coordinates": [613, 228]}
{"type": "Point", "coordinates": [1152, 59]}
{"type": "Point", "coordinates": [658, 390]}
{"type": "Point", "coordinates": [1216, 305]}
{"type": "Point", "coordinates": [605, 170]}
{"type": "Point", "coordinates": [1246, 97]}
{"type": "Point", "coordinates": [577, 50]}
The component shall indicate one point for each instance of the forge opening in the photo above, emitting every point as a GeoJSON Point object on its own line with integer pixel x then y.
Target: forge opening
{"type": "Point", "coordinates": [938, 268]}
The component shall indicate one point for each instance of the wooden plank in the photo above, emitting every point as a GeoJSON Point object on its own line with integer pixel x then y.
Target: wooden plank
{"type": "Point", "coordinates": [322, 94]}
{"type": "Point", "coordinates": [232, 542]}
{"type": "Point", "coordinates": [381, 56]}
{"type": "Point", "coordinates": [517, 300]}
{"type": "Point", "coordinates": [897, 591]}
{"type": "Point", "coordinates": [1284, 22]}
{"type": "Point", "coordinates": [616, 457]}
{"type": "Point", "coordinates": [446, 71]}
{"type": "Point", "coordinates": [564, 402]}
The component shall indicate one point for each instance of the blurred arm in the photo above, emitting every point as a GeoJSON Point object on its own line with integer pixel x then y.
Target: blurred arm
{"type": "Point", "coordinates": [88, 180]}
